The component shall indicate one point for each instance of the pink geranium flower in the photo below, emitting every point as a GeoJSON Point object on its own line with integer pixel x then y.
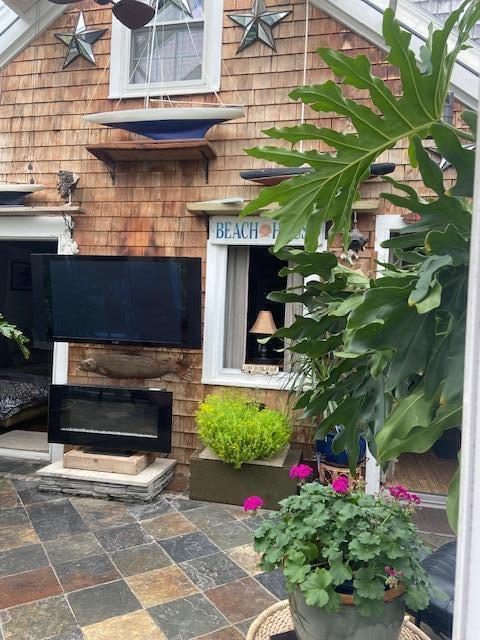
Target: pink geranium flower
{"type": "Point", "coordinates": [301, 471]}
{"type": "Point", "coordinates": [341, 484]}
{"type": "Point", "coordinates": [400, 492]}
{"type": "Point", "coordinates": [253, 503]}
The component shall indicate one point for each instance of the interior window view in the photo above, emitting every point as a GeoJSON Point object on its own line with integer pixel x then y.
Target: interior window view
{"type": "Point", "coordinates": [239, 320]}
{"type": "Point", "coordinates": [252, 273]}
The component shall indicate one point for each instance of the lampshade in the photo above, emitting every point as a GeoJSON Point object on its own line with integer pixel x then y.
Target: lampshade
{"type": "Point", "coordinates": [264, 324]}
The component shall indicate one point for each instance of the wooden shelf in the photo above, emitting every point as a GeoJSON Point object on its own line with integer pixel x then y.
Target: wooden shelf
{"type": "Point", "coordinates": [41, 211]}
{"type": "Point", "coordinates": [163, 150]}
{"type": "Point", "coordinates": [212, 208]}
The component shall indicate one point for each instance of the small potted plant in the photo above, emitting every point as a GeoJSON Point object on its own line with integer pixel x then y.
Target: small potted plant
{"type": "Point", "coordinates": [246, 446]}
{"type": "Point", "coordinates": [352, 561]}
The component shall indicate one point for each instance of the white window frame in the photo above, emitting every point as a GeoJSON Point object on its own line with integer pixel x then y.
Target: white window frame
{"type": "Point", "coordinates": [120, 85]}
{"type": "Point", "coordinates": [384, 225]}
{"type": "Point", "coordinates": [213, 371]}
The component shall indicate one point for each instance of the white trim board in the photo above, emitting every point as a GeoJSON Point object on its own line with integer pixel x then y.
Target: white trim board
{"type": "Point", "coordinates": [364, 17]}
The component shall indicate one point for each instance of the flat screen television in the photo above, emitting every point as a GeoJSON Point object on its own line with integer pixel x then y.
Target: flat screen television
{"type": "Point", "coordinates": [110, 418]}
{"type": "Point", "coordinates": [118, 300]}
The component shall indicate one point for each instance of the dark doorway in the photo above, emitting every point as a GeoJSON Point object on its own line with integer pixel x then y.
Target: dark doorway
{"type": "Point", "coordinates": [23, 382]}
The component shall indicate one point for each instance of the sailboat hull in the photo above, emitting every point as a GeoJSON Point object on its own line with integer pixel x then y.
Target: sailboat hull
{"type": "Point", "coordinates": [168, 123]}
{"type": "Point", "coordinates": [13, 195]}
{"type": "Point", "coordinates": [170, 130]}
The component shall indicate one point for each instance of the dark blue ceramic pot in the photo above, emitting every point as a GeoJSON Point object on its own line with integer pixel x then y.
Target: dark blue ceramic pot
{"type": "Point", "coordinates": [325, 451]}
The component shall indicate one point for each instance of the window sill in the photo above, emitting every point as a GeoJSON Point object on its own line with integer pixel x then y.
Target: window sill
{"type": "Point", "coordinates": [141, 92]}
{"type": "Point", "coordinates": [237, 378]}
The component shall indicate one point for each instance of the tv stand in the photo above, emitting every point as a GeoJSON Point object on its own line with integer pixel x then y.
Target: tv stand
{"type": "Point", "coordinates": [91, 459]}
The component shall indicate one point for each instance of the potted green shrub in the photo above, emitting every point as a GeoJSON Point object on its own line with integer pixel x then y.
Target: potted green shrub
{"type": "Point", "coordinates": [352, 561]}
{"type": "Point", "coordinates": [245, 445]}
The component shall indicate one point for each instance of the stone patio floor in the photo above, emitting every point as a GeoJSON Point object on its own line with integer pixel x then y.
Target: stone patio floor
{"type": "Point", "coordinates": [76, 568]}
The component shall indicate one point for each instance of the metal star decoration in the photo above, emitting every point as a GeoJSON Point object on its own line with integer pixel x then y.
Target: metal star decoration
{"type": "Point", "coordinates": [80, 42]}
{"type": "Point", "coordinates": [258, 24]}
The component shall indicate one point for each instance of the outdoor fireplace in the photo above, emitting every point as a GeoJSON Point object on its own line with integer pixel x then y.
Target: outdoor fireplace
{"type": "Point", "coordinates": [110, 418]}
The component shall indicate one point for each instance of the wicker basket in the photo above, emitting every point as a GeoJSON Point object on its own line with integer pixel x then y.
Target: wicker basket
{"type": "Point", "coordinates": [277, 619]}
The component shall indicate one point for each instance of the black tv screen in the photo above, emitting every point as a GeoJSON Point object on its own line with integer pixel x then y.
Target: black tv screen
{"type": "Point", "coordinates": [117, 299]}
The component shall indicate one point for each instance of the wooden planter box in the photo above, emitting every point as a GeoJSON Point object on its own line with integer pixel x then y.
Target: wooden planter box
{"type": "Point", "coordinates": [216, 481]}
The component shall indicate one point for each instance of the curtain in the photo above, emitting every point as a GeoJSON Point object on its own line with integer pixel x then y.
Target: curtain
{"type": "Point", "coordinates": [236, 307]}
{"type": "Point", "coordinates": [292, 309]}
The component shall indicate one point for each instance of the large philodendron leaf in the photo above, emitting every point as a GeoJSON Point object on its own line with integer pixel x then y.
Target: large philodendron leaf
{"type": "Point", "coordinates": [328, 192]}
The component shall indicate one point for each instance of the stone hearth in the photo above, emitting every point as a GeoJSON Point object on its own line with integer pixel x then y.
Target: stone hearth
{"type": "Point", "coordinates": [143, 487]}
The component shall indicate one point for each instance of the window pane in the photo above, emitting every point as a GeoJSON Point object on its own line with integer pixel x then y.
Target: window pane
{"type": "Point", "coordinates": [177, 55]}
{"type": "Point", "coordinates": [263, 278]}
{"type": "Point", "coordinates": [170, 13]}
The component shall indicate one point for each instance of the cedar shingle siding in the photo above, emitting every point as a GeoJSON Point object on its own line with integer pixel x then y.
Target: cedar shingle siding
{"type": "Point", "coordinates": [41, 109]}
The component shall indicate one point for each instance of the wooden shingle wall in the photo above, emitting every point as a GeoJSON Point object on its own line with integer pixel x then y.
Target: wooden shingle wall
{"type": "Point", "coordinates": [41, 109]}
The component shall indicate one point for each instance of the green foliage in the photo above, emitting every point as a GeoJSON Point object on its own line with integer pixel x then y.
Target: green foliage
{"type": "Point", "coordinates": [384, 356]}
{"type": "Point", "coordinates": [320, 539]}
{"type": "Point", "coordinates": [239, 430]}
{"type": "Point", "coordinates": [330, 190]}
{"type": "Point", "coordinates": [11, 332]}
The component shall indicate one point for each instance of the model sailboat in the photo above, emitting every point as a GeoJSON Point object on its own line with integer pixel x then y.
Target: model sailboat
{"type": "Point", "coordinates": [13, 194]}
{"type": "Point", "coordinates": [168, 122]}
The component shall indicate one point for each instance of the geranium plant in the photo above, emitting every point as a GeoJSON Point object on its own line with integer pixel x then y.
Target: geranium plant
{"type": "Point", "coordinates": [336, 539]}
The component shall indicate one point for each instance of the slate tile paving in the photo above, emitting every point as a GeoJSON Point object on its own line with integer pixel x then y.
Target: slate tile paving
{"type": "Point", "coordinates": [116, 538]}
{"type": "Point", "coordinates": [174, 569]}
{"type": "Point", "coordinates": [241, 599]}
{"type": "Point", "coordinates": [212, 571]}
{"type": "Point", "coordinates": [189, 546]}
{"type": "Point", "coordinates": [246, 558]}
{"type": "Point", "coordinates": [136, 560]}
{"type": "Point", "coordinates": [22, 559]}
{"type": "Point", "coordinates": [15, 515]}
{"type": "Point", "coordinates": [274, 582]}
{"type": "Point", "coordinates": [55, 519]}
{"type": "Point", "coordinates": [100, 514]}
{"type": "Point", "coordinates": [206, 517]}
{"type": "Point", "coordinates": [138, 625]}
{"type": "Point", "coordinates": [86, 572]}
{"type": "Point", "coordinates": [161, 585]}
{"type": "Point", "coordinates": [78, 546]}
{"type": "Point", "coordinates": [8, 500]}
{"type": "Point", "coordinates": [230, 534]}
{"type": "Point", "coordinates": [149, 510]}
{"type": "Point", "coordinates": [28, 586]}
{"type": "Point", "coordinates": [122, 571]}
{"type": "Point", "coordinates": [102, 602]}
{"type": "Point", "coordinates": [50, 618]}
{"type": "Point", "coordinates": [17, 536]}
{"type": "Point", "coordinates": [167, 526]}
{"type": "Point", "coordinates": [188, 618]}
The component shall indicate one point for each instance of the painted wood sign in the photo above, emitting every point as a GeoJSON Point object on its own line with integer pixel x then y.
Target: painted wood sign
{"type": "Point", "coordinates": [248, 231]}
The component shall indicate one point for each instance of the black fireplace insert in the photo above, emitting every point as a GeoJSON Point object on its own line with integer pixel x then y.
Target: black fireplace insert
{"type": "Point", "coordinates": [110, 418]}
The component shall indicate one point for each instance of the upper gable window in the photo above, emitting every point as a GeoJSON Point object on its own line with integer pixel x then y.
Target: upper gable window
{"type": "Point", "coordinates": [186, 55]}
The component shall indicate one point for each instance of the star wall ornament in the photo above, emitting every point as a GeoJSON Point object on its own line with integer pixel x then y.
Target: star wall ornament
{"type": "Point", "coordinates": [80, 42]}
{"type": "Point", "coordinates": [257, 24]}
